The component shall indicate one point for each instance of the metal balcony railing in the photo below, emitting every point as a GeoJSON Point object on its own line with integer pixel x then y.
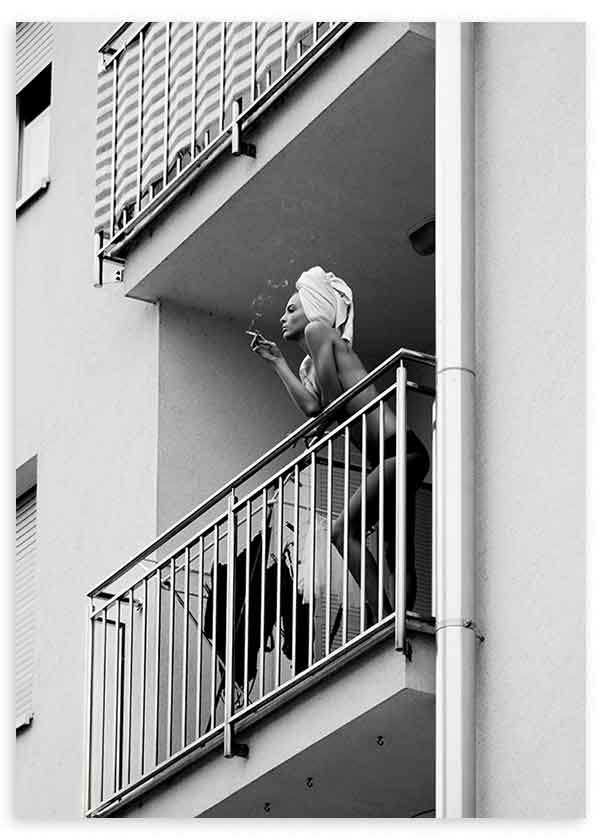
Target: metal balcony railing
{"type": "Point", "coordinates": [252, 607]}
{"type": "Point", "coordinates": [173, 96]}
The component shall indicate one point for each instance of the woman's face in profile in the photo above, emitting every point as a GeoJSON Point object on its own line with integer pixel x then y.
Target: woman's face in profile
{"type": "Point", "coordinates": [293, 321]}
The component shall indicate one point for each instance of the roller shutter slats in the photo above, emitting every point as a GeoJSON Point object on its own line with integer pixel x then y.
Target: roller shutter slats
{"type": "Point", "coordinates": [34, 44]}
{"type": "Point", "coordinates": [25, 604]}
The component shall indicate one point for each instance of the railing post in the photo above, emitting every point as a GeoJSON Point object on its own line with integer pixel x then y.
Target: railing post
{"type": "Point", "coordinates": [194, 87]}
{"type": "Point", "coordinates": [434, 571]}
{"type": "Point", "coordinates": [113, 177]}
{"type": "Point", "coordinates": [222, 80]}
{"type": "Point", "coordinates": [238, 147]}
{"type": "Point", "coordinates": [253, 79]}
{"type": "Point", "coordinates": [230, 748]}
{"type": "Point", "coordinates": [87, 786]}
{"type": "Point", "coordinates": [229, 619]}
{"type": "Point", "coordinates": [166, 110]}
{"type": "Point", "coordinates": [400, 571]}
{"type": "Point", "coordinates": [98, 259]}
{"type": "Point", "coordinates": [235, 128]}
{"type": "Point", "coordinates": [140, 122]}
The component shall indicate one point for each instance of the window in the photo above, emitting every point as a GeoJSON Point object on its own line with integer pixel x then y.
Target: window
{"type": "Point", "coordinates": [33, 132]}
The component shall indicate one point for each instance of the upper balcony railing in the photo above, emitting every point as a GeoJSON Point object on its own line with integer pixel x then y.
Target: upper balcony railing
{"type": "Point", "coordinates": [261, 601]}
{"type": "Point", "coordinates": [173, 96]}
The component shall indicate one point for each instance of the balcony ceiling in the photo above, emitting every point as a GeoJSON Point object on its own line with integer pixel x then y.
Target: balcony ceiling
{"type": "Point", "coordinates": [342, 194]}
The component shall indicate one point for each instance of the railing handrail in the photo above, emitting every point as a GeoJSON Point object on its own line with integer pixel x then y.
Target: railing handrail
{"type": "Point", "coordinates": [116, 33]}
{"type": "Point", "coordinates": [402, 354]}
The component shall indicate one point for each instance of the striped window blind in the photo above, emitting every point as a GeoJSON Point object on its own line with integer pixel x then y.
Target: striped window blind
{"type": "Point", "coordinates": [25, 605]}
{"type": "Point", "coordinates": [422, 517]}
{"type": "Point", "coordinates": [34, 44]}
{"type": "Point", "coordinates": [170, 93]}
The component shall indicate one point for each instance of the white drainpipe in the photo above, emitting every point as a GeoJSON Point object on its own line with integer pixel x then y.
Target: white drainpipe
{"type": "Point", "coordinates": [454, 502]}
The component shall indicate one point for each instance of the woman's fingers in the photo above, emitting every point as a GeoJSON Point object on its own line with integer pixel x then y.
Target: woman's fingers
{"type": "Point", "coordinates": [261, 346]}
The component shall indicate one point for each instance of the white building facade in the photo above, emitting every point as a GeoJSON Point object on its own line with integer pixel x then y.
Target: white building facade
{"type": "Point", "coordinates": [235, 157]}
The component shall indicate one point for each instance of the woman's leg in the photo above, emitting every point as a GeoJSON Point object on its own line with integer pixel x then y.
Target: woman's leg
{"type": "Point", "coordinates": [417, 467]}
{"type": "Point", "coordinates": [355, 534]}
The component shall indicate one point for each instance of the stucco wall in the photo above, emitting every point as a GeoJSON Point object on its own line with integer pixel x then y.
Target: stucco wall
{"type": "Point", "coordinates": [221, 407]}
{"type": "Point", "coordinates": [86, 368]}
{"type": "Point", "coordinates": [530, 467]}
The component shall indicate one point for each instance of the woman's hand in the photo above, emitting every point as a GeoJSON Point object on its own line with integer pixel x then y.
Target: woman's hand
{"type": "Point", "coordinates": [266, 349]}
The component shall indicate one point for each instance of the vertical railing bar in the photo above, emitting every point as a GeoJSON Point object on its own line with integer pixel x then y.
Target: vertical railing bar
{"type": "Point", "coordinates": [103, 728]}
{"type": "Point", "coordinates": [283, 45]}
{"type": "Point", "coordinates": [254, 40]}
{"type": "Point", "coordinates": [222, 86]}
{"type": "Point", "coordinates": [295, 571]}
{"type": "Point", "coordinates": [199, 635]}
{"type": "Point", "coordinates": [313, 560]}
{"type": "Point", "coordinates": [236, 109]}
{"type": "Point", "coordinates": [329, 546]}
{"type": "Point", "coordinates": [89, 705]}
{"type": "Point", "coordinates": [194, 93]}
{"type": "Point", "coordinates": [116, 705]}
{"type": "Point", "coordinates": [381, 523]}
{"type": "Point", "coordinates": [345, 564]}
{"type": "Point", "coordinates": [213, 699]}
{"type": "Point", "coordinates": [400, 572]}
{"type": "Point", "coordinates": [184, 662]}
{"type": "Point", "coordinates": [99, 261]}
{"type": "Point", "coordinates": [315, 32]}
{"type": "Point", "coordinates": [143, 678]}
{"type": "Point", "coordinates": [363, 521]}
{"type": "Point", "coordinates": [167, 99]}
{"type": "Point", "coordinates": [171, 661]}
{"type": "Point", "coordinates": [434, 572]}
{"type": "Point", "coordinates": [230, 624]}
{"type": "Point", "coordinates": [247, 600]}
{"type": "Point", "coordinates": [262, 592]}
{"type": "Point", "coordinates": [278, 599]}
{"type": "Point", "coordinates": [113, 196]}
{"type": "Point", "coordinates": [130, 686]}
{"type": "Point", "coordinates": [140, 123]}
{"type": "Point", "coordinates": [157, 664]}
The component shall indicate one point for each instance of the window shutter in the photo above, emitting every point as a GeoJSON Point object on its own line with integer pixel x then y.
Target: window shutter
{"type": "Point", "coordinates": [34, 51]}
{"type": "Point", "coordinates": [423, 558]}
{"type": "Point", "coordinates": [25, 605]}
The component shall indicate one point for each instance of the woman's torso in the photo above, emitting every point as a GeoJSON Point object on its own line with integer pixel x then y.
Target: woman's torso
{"type": "Point", "coordinates": [351, 370]}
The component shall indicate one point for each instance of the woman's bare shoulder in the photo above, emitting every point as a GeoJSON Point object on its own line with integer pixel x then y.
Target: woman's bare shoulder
{"type": "Point", "coordinates": [348, 362]}
{"type": "Point", "coordinates": [318, 331]}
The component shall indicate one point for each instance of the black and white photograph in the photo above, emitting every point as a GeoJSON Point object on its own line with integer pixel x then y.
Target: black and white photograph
{"type": "Point", "coordinates": [300, 418]}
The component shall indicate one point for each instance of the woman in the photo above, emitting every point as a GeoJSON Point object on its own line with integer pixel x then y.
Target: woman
{"type": "Point", "coordinates": [319, 317]}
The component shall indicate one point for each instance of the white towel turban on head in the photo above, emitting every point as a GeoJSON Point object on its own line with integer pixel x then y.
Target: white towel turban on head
{"type": "Point", "coordinates": [324, 297]}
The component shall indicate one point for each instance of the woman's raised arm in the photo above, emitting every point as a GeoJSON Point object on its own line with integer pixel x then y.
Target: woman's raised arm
{"type": "Point", "coordinates": [302, 398]}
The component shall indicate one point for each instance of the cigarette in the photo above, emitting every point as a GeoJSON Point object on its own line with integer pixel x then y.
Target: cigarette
{"type": "Point", "coordinates": [255, 335]}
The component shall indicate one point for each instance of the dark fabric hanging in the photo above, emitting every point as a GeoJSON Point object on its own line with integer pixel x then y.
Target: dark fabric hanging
{"type": "Point", "coordinates": [254, 623]}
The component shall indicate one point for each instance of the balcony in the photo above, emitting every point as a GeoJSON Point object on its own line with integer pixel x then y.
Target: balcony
{"type": "Point", "coordinates": [344, 164]}
{"type": "Point", "coordinates": [244, 631]}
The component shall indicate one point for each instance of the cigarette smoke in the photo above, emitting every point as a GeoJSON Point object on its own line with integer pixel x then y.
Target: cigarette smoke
{"type": "Point", "coordinates": [262, 300]}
